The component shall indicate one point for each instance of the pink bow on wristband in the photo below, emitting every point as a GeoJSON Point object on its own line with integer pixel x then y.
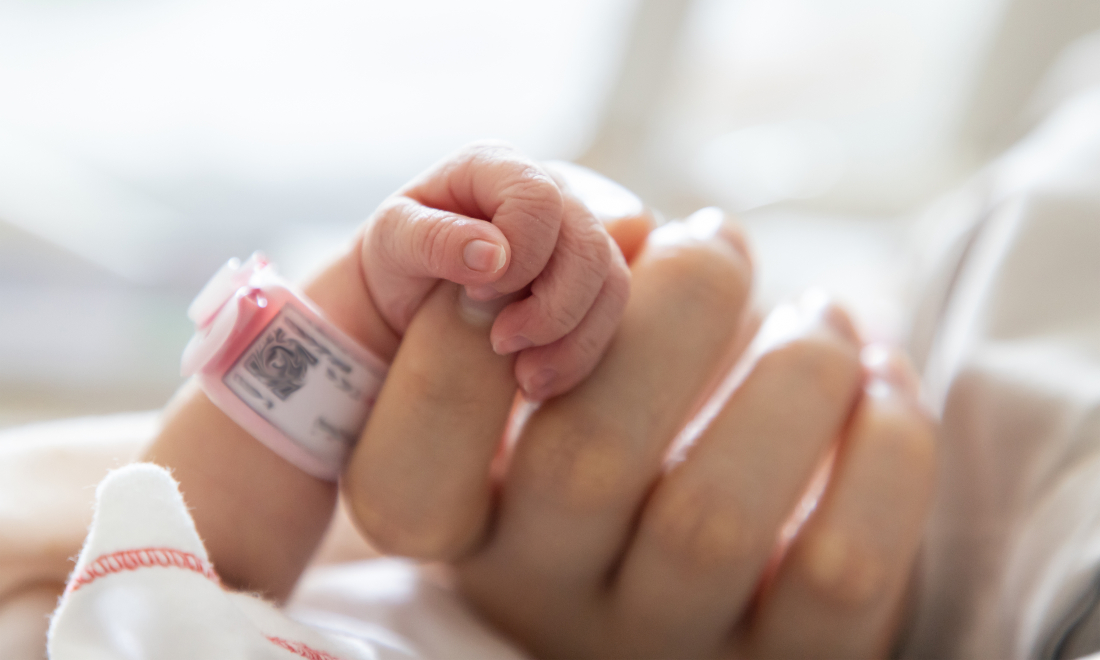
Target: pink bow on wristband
{"type": "Point", "coordinates": [266, 355]}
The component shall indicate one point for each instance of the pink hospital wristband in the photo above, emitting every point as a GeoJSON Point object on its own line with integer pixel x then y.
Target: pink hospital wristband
{"type": "Point", "coordinates": [266, 355]}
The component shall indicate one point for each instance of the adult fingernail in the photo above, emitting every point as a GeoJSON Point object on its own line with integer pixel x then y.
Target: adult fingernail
{"type": "Point", "coordinates": [536, 386]}
{"type": "Point", "coordinates": [891, 374]}
{"type": "Point", "coordinates": [892, 366]}
{"type": "Point", "coordinates": [481, 312]}
{"type": "Point", "coordinates": [705, 223]}
{"type": "Point", "coordinates": [483, 293]}
{"type": "Point", "coordinates": [702, 225]}
{"type": "Point", "coordinates": [512, 345]}
{"type": "Point", "coordinates": [483, 256]}
{"type": "Point", "coordinates": [815, 302]}
{"type": "Point", "coordinates": [711, 222]}
{"type": "Point", "coordinates": [670, 233]}
{"type": "Point", "coordinates": [783, 323]}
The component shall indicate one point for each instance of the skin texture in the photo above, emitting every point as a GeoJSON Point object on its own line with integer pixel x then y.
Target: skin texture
{"type": "Point", "coordinates": [551, 248]}
{"type": "Point", "coordinates": [591, 537]}
{"type": "Point", "coordinates": [595, 541]}
{"type": "Point", "coordinates": [261, 517]}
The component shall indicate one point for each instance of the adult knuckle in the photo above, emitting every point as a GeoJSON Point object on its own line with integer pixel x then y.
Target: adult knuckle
{"type": "Point", "coordinates": [822, 364]}
{"type": "Point", "coordinates": [591, 257]}
{"type": "Point", "coordinates": [434, 525]}
{"type": "Point", "coordinates": [701, 529]}
{"type": "Point", "coordinates": [432, 388]}
{"type": "Point", "coordinates": [585, 465]}
{"type": "Point", "coordinates": [842, 570]}
{"type": "Point", "coordinates": [394, 532]}
{"type": "Point", "coordinates": [705, 279]}
{"type": "Point", "coordinates": [905, 437]}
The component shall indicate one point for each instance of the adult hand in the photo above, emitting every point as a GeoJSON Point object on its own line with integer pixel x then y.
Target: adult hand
{"type": "Point", "coordinates": [586, 540]}
{"type": "Point", "coordinates": [261, 517]}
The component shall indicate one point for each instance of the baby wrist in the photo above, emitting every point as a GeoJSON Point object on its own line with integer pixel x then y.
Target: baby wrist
{"type": "Point", "coordinates": [269, 359]}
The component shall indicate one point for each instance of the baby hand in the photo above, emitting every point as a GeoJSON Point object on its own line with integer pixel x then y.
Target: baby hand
{"type": "Point", "coordinates": [503, 226]}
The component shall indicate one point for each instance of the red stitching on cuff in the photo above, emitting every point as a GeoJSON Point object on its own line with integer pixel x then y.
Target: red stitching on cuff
{"type": "Point", "coordinates": [301, 649]}
{"type": "Point", "coordinates": [132, 560]}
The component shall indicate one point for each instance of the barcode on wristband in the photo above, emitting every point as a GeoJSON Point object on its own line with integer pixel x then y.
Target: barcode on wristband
{"type": "Point", "coordinates": [304, 383]}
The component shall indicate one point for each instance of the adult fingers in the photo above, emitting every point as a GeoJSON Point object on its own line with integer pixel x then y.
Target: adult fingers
{"type": "Point", "coordinates": [837, 593]}
{"type": "Point", "coordinates": [418, 482]}
{"type": "Point", "coordinates": [587, 458]}
{"type": "Point", "coordinates": [492, 181]}
{"type": "Point", "coordinates": [712, 521]}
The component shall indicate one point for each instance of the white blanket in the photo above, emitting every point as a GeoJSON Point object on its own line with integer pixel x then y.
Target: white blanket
{"type": "Point", "coordinates": [143, 587]}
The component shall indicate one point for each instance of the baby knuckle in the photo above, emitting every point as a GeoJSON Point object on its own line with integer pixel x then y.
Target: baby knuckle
{"type": "Point", "coordinates": [701, 529]}
{"type": "Point", "coordinates": [429, 244]}
{"type": "Point", "coordinates": [488, 148]}
{"type": "Point", "coordinates": [536, 196]}
{"type": "Point", "coordinates": [384, 226]}
{"type": "Point", "coordinates": [617, 285]}
{"type": "Point", "coordinates": [592, 246]}
{"type": "Point", "coordinates": [561, 316]}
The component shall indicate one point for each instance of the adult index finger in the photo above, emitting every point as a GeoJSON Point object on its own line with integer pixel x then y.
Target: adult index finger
{"type": "Point", "coordinates": [418, 483]}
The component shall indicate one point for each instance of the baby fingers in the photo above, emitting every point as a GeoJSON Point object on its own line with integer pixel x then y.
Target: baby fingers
{"type": "Point", "coordinates": [494, 182]}
{"type": "Point", "coordinates": [575, 304]}
{"type": "Point", "coordinates": [486, 218]}
{"type": "Point", "coordinates": [564, 291]}
{"type": "Point", "coordinates": [407, 246]}
{"type": "Point", "coordinates": [547, 371]}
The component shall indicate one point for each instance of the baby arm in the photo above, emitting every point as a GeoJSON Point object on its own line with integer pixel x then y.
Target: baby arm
{"type": "Point", "coordinates": [486, 218]}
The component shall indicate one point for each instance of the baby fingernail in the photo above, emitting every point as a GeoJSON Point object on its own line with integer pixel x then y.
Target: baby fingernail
{"type": "Point", "coordinates": [536, 385]}
{"type": "Point", "coordinates": [483, 256]}
{"type": "Point", "coordinates": [512, 345]}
